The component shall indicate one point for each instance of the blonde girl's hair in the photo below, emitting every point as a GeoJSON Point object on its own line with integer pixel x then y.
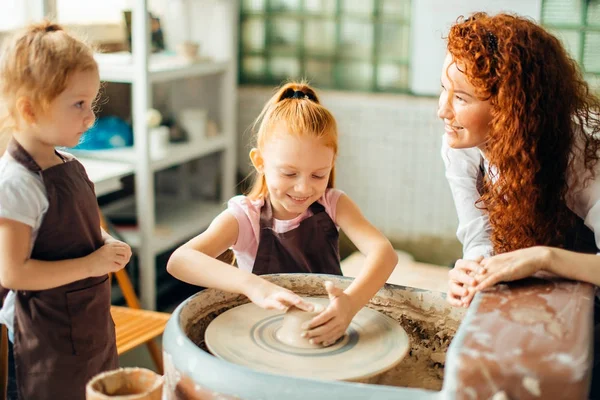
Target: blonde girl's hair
{"type": "Point", "coordinates": [297, 106]}
{"type": "Point", "coordinates": [37, 62]}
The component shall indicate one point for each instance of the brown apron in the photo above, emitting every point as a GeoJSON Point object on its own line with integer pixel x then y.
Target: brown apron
{"type": "Point", "coordinates": [312, 247]}
{"type": "Point", "coordinates": [63, 336]}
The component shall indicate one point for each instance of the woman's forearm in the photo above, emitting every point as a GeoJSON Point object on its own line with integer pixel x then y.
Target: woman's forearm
{"type": "Point", "coordinates": [573, 265]}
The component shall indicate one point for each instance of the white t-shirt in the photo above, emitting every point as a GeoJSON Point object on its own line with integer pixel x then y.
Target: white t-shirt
{"type": "Point", "coordinates": [23, 199]}
{"type": "Point", "coordinates": [462, 169]}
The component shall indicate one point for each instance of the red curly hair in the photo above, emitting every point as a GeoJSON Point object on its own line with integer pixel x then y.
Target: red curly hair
{"type": "Point", "coordinates": [539, 101]}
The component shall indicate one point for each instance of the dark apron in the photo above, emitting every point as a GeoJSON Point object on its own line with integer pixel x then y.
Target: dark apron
{"type": "Point", "coordinates": [312, 247]}
{"type": "Point", "coordinates": [63, 336]}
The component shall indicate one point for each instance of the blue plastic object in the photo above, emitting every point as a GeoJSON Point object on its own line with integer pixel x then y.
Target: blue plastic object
{"type": "Point", "coordinates": [107, 133]}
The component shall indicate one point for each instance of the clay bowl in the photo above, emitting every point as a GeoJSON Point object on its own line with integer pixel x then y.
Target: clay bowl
{"type": "Point", "coordinates": [125, 384]}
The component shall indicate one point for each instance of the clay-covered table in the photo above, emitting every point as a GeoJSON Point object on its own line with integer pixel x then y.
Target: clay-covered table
{"type": "Point", "coordinates": [525, 340]}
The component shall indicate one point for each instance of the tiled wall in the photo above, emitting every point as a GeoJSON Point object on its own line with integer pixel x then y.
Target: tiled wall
{"type": "Point", "coordinates": [389, 164]}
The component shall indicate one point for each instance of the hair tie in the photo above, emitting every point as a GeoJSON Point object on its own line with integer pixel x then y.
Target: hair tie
{"type": "Point", "coordinates": [297, 94]}
{"type": "Point", "coordinates": [45, 27]}
{"type": "Point", "coordinates": [52, 28]}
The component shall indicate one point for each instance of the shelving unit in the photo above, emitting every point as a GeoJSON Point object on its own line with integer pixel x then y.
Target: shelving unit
{"type": "Point", "coordinates": [175, 154]}
{"type": "Point", "coordinates": [163, 222]}
{"type": "Point", "coordinates": [106, 176]}
{"type": "Point", "coordinates": [118, 67]}
{"type": "Point", "coordinates": [176, 220]}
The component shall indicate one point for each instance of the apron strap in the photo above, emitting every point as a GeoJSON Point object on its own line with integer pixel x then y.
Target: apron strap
{"type": "Point", "coordinates": [22, 156]}
{"type": "Point", "coordinates": [481, 177]}
{"type": "Point", "coordinates": [316, 207]}
{"type": "Point", "coordinates": [266, 215]}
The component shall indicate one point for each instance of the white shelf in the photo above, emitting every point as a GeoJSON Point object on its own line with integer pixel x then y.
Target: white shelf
{"type": "Point", "coordinates": [118, 67]}
{"type": "Point", "coordinates": [163, 223]}
{"type": "Point", "coordinates": [176, 220]}
{"type": "Point", "coordinates": [106, 175]}
{"type": "Point", "coordinates": [176, 153]}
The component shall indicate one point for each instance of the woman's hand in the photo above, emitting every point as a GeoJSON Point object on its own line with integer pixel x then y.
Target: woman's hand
{"type": "Point", "coordinates": [272, 297]}
{"type": "Point", "coordinates": [461, 282]}
{"type": "Point", "coordinates": [512, 266]}
{"type": "Point", "coordinates": [331, 324]}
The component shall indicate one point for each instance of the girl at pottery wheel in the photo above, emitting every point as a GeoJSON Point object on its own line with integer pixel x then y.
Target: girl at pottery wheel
{"type": "Point", "coordinates": [54, 257]}
{"type": "Point", "coordinates": [289, 221]}
{"type": "Point", "coordinates": [521, 154]}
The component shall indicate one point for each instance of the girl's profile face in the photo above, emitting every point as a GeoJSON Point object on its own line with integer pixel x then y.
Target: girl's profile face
{"type": "Point", "coordinates": [466, 117]}
{"type": "Point", "coordinates": [296, 168]}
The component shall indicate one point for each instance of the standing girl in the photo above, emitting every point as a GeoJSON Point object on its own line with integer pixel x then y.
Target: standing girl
{"type": "Point", "coordinates": [54, 257]}
{"type": "Point", "coordinates": [289, 221]}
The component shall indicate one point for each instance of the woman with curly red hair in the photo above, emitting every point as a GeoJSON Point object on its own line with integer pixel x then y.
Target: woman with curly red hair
{"type": "Point", "coordinates": [521, 153]}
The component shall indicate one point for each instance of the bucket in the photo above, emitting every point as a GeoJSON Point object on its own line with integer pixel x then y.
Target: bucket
{"type": "Point", "coordinates": [125, 384]}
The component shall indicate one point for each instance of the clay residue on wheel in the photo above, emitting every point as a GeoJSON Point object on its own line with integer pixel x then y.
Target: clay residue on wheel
{"type": "Point", "coordinates": [425, 316]}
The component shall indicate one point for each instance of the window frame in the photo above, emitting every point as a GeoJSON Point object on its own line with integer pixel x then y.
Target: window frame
{"type": "Point", "coordinates": [581, 28]}
{"type": "Point", "coordinates": [96, 32]}
{"type": "Point", "coordinates": [337, 60]}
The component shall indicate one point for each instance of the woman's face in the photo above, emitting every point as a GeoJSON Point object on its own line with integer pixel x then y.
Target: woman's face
{"type": "Point", "coordinates": [466, 117]}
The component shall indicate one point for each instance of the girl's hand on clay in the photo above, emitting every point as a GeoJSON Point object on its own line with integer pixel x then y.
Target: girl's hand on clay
{"type": "Point", "coordinates": [331, 324]}
{"type": "Point", "coordinates": [111, 257]}
{"type": "Point", "coordinates": [462, 282]}
{"type": "Point", "coordinates": [511, 266]}
{"type": "Point", "coordinates": [272, 297]}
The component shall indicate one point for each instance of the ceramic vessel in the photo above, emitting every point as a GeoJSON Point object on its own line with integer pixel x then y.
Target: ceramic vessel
{"type": "Point", "coordinates": [189, 50]}
{"type": "Point", "coordinates": [125, 384]}
{"type": "Point", "coordinates": [291, 329]}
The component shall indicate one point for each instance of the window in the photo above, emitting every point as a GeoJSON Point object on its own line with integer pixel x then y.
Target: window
{"type": "Point", "coordinates": [90, 12]}
{"type": "Point", "coordinates": [577, 23]}
{"type": "Point", "coordinates": [16, 13]}
{"type": "Point", "coordinates": [338, 44]}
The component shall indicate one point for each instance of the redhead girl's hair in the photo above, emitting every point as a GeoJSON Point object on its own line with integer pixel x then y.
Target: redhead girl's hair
{"type": "Point", "coordinates": [542, 111]}
{"type": "Point", "coordinates": [297, 106]}
{"type": "Point", "coordinates": [37, 62]}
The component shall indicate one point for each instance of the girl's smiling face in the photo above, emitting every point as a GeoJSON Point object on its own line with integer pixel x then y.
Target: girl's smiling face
{"type": "Point", "coordinates": [296, 169]}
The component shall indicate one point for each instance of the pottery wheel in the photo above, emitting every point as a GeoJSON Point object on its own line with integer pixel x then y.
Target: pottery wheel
{"type": "Point", "coordinates": [247, 335]}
